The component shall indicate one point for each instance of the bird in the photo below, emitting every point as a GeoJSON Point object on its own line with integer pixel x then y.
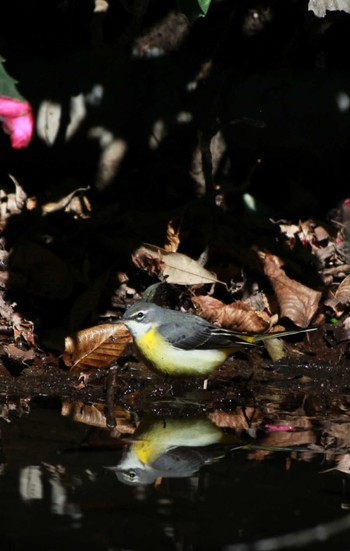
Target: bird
{"type": "Point", "coordinates": [170, 448]}
{"type": "Point", "coordinates": [177, 344]}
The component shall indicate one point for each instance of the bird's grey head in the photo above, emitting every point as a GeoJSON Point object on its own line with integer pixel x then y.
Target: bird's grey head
{"type": "Point", "coordinates": [141, 317]}
{"type": "Point", "coordinates": [133, 477]}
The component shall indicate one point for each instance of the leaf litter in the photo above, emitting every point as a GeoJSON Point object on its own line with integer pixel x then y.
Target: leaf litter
{"type": "Point", "coordinates": [301, 281]}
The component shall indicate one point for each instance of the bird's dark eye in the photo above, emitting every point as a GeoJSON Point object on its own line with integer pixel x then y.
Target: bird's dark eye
{"type": "Point", "coordinates": [140, 315]}
{"type": "Point", "coordinates": [131, 475]}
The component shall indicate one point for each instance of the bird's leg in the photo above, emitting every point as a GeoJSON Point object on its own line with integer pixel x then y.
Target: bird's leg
{"type": "Point", "coordinates": [111, 380]}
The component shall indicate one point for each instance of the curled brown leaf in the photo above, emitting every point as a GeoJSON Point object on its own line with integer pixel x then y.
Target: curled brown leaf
{"type": "Point", "coordinates": [341, 297]}
{"type": "Point", "coordinates": [296, 301]}
{"type": "Point", "coordinates": [172, 236]}
{"type": "Point", "coordinates": [96, 347]}
{"type": "Point", "coordinates": [237, 316]}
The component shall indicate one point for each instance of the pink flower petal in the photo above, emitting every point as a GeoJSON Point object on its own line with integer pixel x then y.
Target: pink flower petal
{"type": "Point", "coordinates": [18, 120]}
{"type": "Point", "coordinates": [278, 428]}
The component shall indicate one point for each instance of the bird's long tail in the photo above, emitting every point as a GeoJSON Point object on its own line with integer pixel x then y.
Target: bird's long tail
{"type": "Point", "coordinates": [241, 338]}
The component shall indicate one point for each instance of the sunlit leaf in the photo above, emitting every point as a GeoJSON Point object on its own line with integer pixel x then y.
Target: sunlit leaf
{"type": "Point", "coordinates": [172, 237]}
{"type": "Point", "coordinates": [172, 267]}
{"type": "Point", "coordinates": [320, 7]}
{"type": "Point", "coordinates": [8, 86]}
{"type": "Point", "coordinates": [296, 301]}
{"type": "Point", "coordinates": [95, 347]}
{"type": "Point", "coordinates": [194, 8]}
{"type": "Point", "coordinates": [184, 270]}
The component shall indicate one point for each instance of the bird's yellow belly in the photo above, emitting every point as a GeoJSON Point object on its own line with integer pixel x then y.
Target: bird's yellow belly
{"type": "Point", "coordinates": [167, 359]}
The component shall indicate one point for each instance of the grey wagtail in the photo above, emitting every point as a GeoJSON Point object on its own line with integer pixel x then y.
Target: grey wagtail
{"type": "Point", "coordinates": [169, 448]}
{"type": "Point", "coordinates": [178, 344]}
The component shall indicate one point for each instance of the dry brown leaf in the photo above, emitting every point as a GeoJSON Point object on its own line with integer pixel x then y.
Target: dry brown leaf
{"type": "Point", "coordinates": [172, 267]}
{"type": "Point", "coordinates": [172, 236]}
{"type": "Point", "coordinates": [321, 234]}
{"type": "Point", "coordinates": [12, 203]}
{"type": "Point", "coordinates": [23, 329]}
{"type": "Point", "coordinates": [341, 298]}
{"type": "Point", "coordinates": [95, 347]}
{"type": "Point", "coordinates": [296, 301]}
{"type": "Point", "coordinates": [149, 260]}
{"type": "Point", "coordinates": [238, 316]}
{"type": "Point", "coordinates": [75, 201]}
{"type": "Point", "coordinates": [17, 354]}
{"type": "Point", "coordinates": [95, 415]}
{"type": "Point", "coordinates": [240, 420]}
{"type": "Point", "coordinates": [289, 438]}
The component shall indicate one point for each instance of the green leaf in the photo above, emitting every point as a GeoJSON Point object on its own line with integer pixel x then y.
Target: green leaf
{"type": "Point", "coordinates": [8, 86]}
{"type": "Point", "coordinates": [204, 5]}
{"type": "Point", "coordinates": [194, 8]}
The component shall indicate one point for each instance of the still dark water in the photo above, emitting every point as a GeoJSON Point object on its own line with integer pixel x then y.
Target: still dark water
{"type": "Point", "coordinates": [182, 484]}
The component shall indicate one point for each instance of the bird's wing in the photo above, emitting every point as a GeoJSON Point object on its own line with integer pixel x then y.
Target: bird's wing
{"type": "Point", "coordinates": [199, 335]}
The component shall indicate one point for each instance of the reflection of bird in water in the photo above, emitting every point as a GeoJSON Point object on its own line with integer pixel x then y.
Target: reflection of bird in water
{"type": "Point", "coordinates": [169, 448]}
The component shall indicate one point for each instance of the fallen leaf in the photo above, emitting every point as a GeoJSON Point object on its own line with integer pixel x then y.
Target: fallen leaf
{"type": "Point", "coordinates": [172, 267]}
{"type": "Point", "coordinates": [289, 230]}
{"type": "Point", "coordinates": [287, 439]}
{"type": "Point", "coordinates": [75, 202]}
{"type": "Point", "coordinates": [237, 316]}
{"type": "Point", "coordinates": [172, 236]}
{"type": "Point", "coordinates": [341, 297]}
{"type": "Point", "coordinates": [12, 203]}
{"type": "Point", "coordinates": [96, 347]}
{"type": "Point", "coordinates": [95, 415]}
{"type": "Point", "coordinates": [23, 329]}
{"type": "Point", "coordinates": [320, 7]}
{"type": "Point", "coordinates": [296, 301]}
{"type": "Point", "coordinates": [240, 419]}
{"type": "Point", "coordinates": [17, 354]}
